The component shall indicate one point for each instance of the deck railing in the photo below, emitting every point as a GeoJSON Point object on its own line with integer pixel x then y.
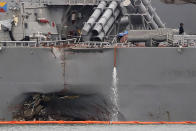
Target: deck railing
{"type": "Point", "coordinates": [81, 2]}
{"type": "Point", "coordinates": [76, 2]}
{"type": "Point", "coordinates": [59, 43]}
{"type": "Point", "coordinates": [177, 41]}
{"type": "Point", "coordinates": [37, 44]}
{"type": "Point", "coordinates": [185, 40]}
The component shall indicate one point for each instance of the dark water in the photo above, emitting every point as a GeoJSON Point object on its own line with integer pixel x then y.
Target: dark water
{"type": "Point", "coordinates": [180, 11]}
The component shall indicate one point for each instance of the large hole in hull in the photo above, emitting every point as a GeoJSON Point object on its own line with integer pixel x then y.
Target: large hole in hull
{"type": "Point", "coordinates": [65, 106]}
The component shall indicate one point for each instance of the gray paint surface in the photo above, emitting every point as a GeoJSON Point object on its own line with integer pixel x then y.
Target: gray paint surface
{"type": "Point", "coordinates": [157, 84]}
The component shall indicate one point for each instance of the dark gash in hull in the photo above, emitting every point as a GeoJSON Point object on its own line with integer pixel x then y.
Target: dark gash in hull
{"type": "Point", "coordinates": [64, 106]}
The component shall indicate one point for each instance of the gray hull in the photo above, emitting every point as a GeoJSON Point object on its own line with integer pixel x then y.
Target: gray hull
{"type": "Point", "coordinates": [155, 84]}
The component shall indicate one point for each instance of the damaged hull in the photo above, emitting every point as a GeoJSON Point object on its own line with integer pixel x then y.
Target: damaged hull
{"type": "Point", "coordinates": [154, 84]}
{"type": "Point", "coordinates": [24, 70]}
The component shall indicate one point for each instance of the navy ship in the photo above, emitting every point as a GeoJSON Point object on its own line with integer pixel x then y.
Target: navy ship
{"type": "Point", "coordinates": [120, 49]}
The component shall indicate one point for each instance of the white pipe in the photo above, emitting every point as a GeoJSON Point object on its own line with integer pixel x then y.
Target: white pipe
{"type": "Point", "coordinates": [108, 25]}
{"type": "Point", "coordinates": [148, 17]}
{"type": "Point", "coordinates": [105, 17]}
{"type": "Point", "coordinates": [153, 12]}
{"type": "Point", "coordinates": [94, 17]}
